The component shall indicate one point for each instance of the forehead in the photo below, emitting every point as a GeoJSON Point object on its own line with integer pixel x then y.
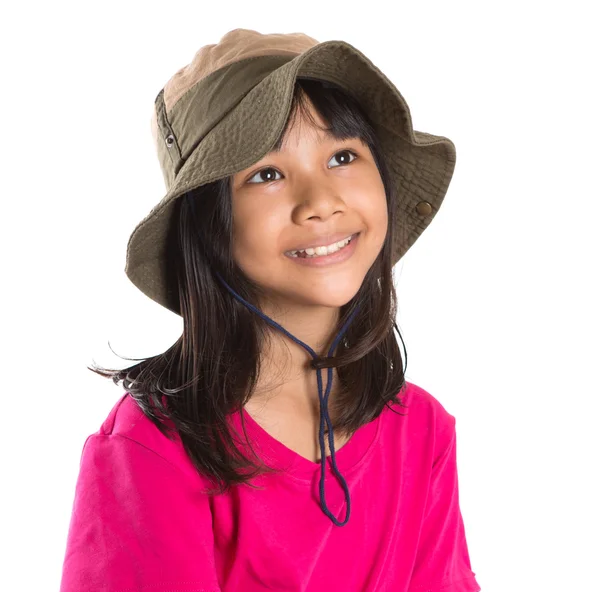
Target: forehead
{"type": "Point", "coordinates": [300, 124]}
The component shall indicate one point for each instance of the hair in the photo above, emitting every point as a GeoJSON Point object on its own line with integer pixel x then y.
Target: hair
{"type": "Point", "coordinates": [212, 369]}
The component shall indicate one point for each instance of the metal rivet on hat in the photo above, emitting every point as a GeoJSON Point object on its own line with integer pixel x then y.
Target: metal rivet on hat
{"type": "Point", "coordinates": [170, 140]}
{"type": "Point", "coordinates": [424, 208]}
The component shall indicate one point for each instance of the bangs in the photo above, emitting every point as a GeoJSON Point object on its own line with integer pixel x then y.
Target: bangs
{"type": "Point", "coordinates": [343, 114]}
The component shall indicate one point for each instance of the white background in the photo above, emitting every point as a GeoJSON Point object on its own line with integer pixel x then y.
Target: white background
{"type": "Point", "coordinates": [498, 299]}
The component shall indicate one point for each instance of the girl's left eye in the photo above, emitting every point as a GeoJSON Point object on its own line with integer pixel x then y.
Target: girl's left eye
{"type": "Point", "coordinates": [354, 155]}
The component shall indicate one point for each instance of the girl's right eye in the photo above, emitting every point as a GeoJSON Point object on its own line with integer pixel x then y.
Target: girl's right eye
{"type": "Point", "coordinates": [260, 173]}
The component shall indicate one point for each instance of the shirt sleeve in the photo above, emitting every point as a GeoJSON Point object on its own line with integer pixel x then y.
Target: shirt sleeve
{"type": "Point", "coordinates": [442, 561]}
{"type": "Point", "coordinates": [138, 524]}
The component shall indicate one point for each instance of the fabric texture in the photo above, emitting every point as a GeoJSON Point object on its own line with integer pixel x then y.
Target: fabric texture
{"type": "Point", "coordinates": [142, 522]}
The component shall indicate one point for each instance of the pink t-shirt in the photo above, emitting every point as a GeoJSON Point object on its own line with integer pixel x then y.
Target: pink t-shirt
{"type": "Point", "coordinates": [141, 523]}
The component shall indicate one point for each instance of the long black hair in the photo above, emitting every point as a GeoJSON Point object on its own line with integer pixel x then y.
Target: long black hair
{"type": "Point", "coordinates": [212, 369]}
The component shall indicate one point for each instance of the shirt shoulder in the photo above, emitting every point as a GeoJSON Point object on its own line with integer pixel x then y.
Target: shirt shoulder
{"type": "Point", "coordinates": [423, 417]}
{"type": "Point", "coordinates": [137, 521]}
{"type": "Point", "coordinates": [424, 402]}
{"type": "Point", "coordinates": [127, 420]}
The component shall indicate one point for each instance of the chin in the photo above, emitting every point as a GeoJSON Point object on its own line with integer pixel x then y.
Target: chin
{"type": "Point", "coordinates": [333, 297]}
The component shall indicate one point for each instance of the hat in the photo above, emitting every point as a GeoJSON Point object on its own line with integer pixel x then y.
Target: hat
{"type": "Point", "coordinates": [226, 109]}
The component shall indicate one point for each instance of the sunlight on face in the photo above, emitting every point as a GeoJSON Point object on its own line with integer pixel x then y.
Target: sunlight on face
{"type": "Point", "coordinates": [312, 189]}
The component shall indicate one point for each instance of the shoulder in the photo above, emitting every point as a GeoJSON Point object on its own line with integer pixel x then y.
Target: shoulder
{"type": "Point", "coordinates": [127, 421]}
{"type": "Point", "coordinates": [424, 418]}
{"type": "Point", "coordinates": [424, 404]}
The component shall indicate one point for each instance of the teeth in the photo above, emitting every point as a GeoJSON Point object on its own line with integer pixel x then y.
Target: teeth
{"type": "Point", "coordinates": [320, 251]}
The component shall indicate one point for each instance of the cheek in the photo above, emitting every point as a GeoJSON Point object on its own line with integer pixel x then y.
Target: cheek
{"type": "Point", "coordinates": [374, 211]}
{"type": "Point", "coordinates": [382, 218]}
{"type": "Point", "coordinates": [254, 237]}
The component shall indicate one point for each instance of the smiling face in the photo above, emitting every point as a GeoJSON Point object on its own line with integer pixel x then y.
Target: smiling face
{"type": "Point", "coordinates": [315, 190]}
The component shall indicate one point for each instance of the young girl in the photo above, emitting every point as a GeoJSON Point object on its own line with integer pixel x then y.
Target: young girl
{"type": "Point", "coordinates": [295, 182]}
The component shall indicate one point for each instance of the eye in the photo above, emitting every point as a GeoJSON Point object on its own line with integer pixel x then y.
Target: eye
{"type": "Point", "coordinates": [344, 151]}
{"type": "Point", "coordinates": [260, 173]}
{"type": "Point", "coordinates": [271, 169]}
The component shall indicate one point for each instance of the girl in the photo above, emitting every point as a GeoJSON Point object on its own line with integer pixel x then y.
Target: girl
{"type": "Point", "coordinates": [294, 182]}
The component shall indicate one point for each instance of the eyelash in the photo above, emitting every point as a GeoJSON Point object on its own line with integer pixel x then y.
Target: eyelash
{"type": "Point", "coordinates": [269, 168]}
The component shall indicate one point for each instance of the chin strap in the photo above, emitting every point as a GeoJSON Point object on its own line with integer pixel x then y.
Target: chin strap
{"type": "Point", "coordinates": [323, 400]}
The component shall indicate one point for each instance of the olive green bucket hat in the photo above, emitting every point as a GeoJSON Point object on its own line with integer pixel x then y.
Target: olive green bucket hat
{"type": "Point", "coordinates": [226, 109]}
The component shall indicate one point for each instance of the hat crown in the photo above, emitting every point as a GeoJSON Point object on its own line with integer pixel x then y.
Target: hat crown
{"type": "Point", "coordinates": [239, 44]}
{"type": "Point", "coordinates": [234, 46]}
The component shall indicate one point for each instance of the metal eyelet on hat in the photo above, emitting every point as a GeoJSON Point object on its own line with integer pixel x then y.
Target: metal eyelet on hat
{"type": "Point", "coordinates": [424, 208]}
{"type": "Point", "coordinates": [170, 140]}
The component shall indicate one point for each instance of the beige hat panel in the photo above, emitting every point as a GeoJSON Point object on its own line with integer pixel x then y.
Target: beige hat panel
{"type": "Point", "coordinates": [239, 44]}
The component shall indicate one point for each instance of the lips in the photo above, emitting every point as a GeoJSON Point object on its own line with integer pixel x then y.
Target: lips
{"type": "Point", "coordinates": [338, 257]}
{"type": "Point", "coordinates": [324, 241]}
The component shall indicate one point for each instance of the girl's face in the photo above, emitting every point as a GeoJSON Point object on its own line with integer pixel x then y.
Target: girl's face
{"type": "Point", "coordinates": [315, 191]}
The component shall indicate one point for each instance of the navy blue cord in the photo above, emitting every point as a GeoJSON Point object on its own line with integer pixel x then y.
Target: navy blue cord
{"type": "Point", "coordinates": [323, 399]}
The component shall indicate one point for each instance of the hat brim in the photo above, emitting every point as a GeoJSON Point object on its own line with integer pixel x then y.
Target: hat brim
{"type": "Point", "coordinates": [421, 165]}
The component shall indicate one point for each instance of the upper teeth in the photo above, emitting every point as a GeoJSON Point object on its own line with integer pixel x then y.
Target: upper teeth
{"type": "Point", "coordinates": [326, 250]}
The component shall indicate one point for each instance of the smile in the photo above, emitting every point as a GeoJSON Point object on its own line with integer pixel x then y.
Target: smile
{"type": "Point", "coordinates": [321, 250]}
{"type": "Point", "coordinates": [331, 254]}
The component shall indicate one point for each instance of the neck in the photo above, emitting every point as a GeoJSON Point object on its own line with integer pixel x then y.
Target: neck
{"type": "Point", "coordinates": [285, 365]}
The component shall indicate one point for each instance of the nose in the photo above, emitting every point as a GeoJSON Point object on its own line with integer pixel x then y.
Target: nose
{"type": "Point", "coordinates": [318, 200]}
